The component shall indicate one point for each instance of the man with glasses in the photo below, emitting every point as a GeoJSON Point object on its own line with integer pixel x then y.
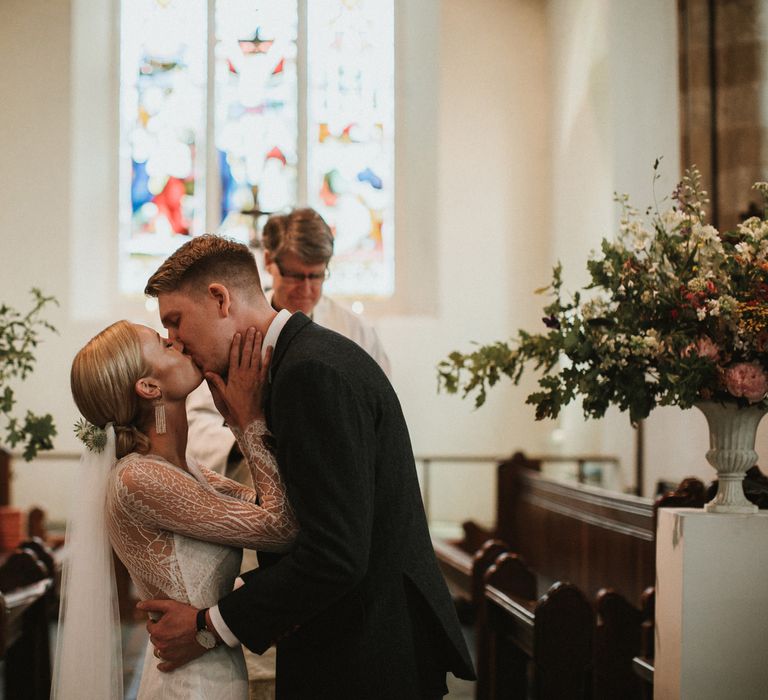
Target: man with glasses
{"type": "Point", "coordinates": [297, 250]}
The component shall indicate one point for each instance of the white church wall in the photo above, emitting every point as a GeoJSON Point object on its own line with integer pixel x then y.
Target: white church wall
{"type": "Point", "coordinates": [615, 110]}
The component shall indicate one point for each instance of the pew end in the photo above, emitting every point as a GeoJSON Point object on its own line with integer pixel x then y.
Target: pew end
{"type": "Point", "coordinates": [27, 585]}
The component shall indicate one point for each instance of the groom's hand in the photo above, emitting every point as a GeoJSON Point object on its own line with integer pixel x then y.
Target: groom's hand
{"type": "Point", "coordinates": [173, 635]}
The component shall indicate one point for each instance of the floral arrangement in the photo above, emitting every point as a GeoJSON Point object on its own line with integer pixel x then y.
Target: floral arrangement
{"type": "Point", "coordinates": [676, 312]}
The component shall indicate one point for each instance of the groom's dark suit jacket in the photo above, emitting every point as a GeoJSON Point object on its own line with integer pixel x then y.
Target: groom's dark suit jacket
{"type": "Point", "coordinates": [358, 607]}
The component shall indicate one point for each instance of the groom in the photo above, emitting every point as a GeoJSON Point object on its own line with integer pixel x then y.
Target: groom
{"type": "Point", "coordinates": [358, 608]}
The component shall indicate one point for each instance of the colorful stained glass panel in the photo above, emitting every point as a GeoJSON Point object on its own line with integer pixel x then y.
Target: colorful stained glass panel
{"type": "Point", "coordinates": [256, 110]}
{"type": "Point", "coordinates": [351, 138]}
{"type": "Point", "coordinates": [257, 157]}
{"type": "Point", "coordinates": [162, 125]}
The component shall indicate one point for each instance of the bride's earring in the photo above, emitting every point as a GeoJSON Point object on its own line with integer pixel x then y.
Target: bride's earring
{"type": "Point", "coordinates": [160, 418]}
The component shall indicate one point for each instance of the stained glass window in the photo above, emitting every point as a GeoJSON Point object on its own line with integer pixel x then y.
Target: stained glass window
{"type": "Point", "coordinates": [162, 149]}
{"type": "Point", "coordinates": [255, 110]}
{"type": "Point", "coordinates": [238, 135]}
{"type": "Point", "coordinates": [351, 138]}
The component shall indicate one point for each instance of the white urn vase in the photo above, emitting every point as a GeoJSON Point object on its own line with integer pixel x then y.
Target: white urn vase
{"type": "Point", "coordinates": [732, 431]}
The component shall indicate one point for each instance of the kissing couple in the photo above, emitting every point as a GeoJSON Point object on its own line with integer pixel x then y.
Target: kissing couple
{"type": "Point", "coordinates": [347, 588]}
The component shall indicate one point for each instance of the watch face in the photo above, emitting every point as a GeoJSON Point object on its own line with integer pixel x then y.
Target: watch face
{"type": "Point", "coordinates": [205, 639]}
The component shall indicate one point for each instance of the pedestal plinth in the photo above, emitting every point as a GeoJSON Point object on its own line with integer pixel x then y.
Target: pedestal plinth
{"type": "Point", "coordinates": [711, 605]}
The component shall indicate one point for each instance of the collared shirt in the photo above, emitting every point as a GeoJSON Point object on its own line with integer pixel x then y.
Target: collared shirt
{"type": "Point", "coordinates": [274, 330]}
{"type": "Point", "coordinates": [270, 339]}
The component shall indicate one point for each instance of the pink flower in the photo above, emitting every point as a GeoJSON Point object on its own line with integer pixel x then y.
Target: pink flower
{"type": "Point", "coordinates": [703, 347]}
{"type": "Point", "coordinates": [706, 347]}
{"type": "Point", "coordinates": [747, 379]}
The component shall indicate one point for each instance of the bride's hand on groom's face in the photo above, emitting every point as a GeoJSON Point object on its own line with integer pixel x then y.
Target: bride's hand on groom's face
{"type": "Point", "coordinates": [240, 398]}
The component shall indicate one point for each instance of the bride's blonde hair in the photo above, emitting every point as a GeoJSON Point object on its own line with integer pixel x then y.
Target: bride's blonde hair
{"type": "Point", "coordinates": [103, 376]}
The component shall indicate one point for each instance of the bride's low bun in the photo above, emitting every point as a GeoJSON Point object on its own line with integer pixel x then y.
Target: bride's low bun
{"type": "Point", "coordinates": [103, 377]}
{"type": "Point", "coordinates": [128, 438]}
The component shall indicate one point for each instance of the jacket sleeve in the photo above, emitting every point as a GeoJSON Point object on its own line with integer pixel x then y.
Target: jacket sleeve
{"type": "Point", "coordinates": [325, 447]}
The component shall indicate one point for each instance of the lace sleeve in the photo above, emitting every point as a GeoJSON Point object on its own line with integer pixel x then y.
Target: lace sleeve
{"type": "Point", "coordinates": [262, 464]}
{"type": "Point", "coordinates": [229, 487]}
{"type": "Point", "coordinates": [160, 495]}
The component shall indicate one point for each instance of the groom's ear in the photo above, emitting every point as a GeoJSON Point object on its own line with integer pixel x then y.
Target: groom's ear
{"type": "Point", "coordinates": [147, 389]}
{"type": "Point", "coordinates": [221, 296]}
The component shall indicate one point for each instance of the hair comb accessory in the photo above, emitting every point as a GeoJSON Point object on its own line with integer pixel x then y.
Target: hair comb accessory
{"type": "Point", "coordinates": [93, 437]}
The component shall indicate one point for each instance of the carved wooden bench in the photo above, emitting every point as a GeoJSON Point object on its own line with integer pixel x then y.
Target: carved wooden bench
{"type": "Point", "coordinates": [26, 590]}
{"type": "Point", "coordinates": [601, 543]}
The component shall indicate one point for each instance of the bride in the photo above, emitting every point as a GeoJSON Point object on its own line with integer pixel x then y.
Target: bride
{"type": "Point", "coordinates": [176, 526]}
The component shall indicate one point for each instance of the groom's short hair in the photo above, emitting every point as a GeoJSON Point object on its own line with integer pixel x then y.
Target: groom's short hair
{"type": "Point", "coordinates": [203, 260]}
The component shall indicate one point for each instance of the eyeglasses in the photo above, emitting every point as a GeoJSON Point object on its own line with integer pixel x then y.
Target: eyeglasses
{"type": "Point", "coordinates": [314, 278]}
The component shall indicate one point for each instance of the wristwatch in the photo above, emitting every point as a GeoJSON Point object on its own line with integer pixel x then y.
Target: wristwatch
{"type": "Point", "coordinates": [205, 638]}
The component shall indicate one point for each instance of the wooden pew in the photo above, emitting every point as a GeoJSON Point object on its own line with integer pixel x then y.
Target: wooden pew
{"type": "Point", "coordinates": [545, 643]}
{"type": "Point", "coordinates": [457, 558]}
{"type": "Point", "coordinates": [588, 536]}
{"type": "Point", "coordinates": [616, 643]}
{"type": "Point", "coordinates": [600, 542]}
{"type": "Point", "coordinates": [556, 646]}
{"type": "Point", "coordinates": [642, 664]}
{"type": "Point", "coordinates": [26, 587]}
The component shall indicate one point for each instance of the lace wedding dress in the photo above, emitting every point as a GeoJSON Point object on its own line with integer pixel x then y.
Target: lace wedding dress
{"type": "Point", "coordinates": [179, 533]}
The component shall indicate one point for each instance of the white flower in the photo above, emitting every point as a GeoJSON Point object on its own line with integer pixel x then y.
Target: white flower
{"type": "Point", "coordinates": [673, 219]}
{"type": "Point", "coordinates": [701, 313]}
{"type": "Point", "coordinates": [697, 284]}
{"type": "Point", "coordinates": [705, 234]}
{"type": "Point", "coordinates": [745, 250]}
{"type": "Point", "coordinates": [728, 304]}
{"type": "Point", "coordinates": [754, 228]}
{"type": "Point", "coordinates": [652, 340]}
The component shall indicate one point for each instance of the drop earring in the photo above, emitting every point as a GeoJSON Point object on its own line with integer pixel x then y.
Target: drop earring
{"type": "Point", "coordinates": [160, 418]}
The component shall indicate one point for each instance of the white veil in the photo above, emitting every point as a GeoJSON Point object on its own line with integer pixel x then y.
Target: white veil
{"type": "Point", "coordinates": [88, 661]}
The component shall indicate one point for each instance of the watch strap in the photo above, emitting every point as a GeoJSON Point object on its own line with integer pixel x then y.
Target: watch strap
{"type": "Point", "coordinates": [201, 623]}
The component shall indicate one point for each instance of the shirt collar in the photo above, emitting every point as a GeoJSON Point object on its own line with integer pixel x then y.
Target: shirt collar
{"type": "Point", "coordinates": [274, 330]}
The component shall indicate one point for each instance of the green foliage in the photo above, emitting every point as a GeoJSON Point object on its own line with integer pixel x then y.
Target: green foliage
{"type": "Point", "coordinates": [19, 337]}
{"type": "Point", "coordinates": [675, 312]}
